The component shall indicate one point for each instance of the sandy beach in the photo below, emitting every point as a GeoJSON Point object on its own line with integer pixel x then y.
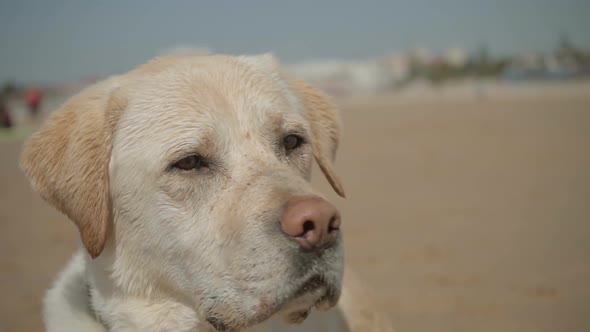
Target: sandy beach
{"type": "Point", "coordinates": [464, 214]}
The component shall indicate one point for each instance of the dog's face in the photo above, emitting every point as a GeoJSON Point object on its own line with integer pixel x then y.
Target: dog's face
{"type": "Point", "coordinates": [188, 185]}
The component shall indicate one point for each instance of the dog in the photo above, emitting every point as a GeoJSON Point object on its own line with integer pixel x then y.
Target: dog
{"type": "Point", "coordinates": [188, 179]}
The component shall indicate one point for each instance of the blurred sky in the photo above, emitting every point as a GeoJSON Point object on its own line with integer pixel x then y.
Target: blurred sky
{"type": "Point", "coordinates": [57, 40]}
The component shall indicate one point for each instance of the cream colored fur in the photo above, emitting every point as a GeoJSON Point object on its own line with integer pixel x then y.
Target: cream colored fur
{"type": "Point", "coordinates": [170, 250]}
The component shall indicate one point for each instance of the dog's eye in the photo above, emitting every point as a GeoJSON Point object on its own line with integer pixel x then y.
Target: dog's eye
{"type": "Point", "coordinates": [292, 142]}
{"type": "Point", "coordinates": [190, 163]}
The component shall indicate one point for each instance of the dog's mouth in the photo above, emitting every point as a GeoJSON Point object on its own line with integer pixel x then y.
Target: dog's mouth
{"type": "Point", "coordinates": [312, 284]}
{"type": "Point", "coordinates": [316, 292]}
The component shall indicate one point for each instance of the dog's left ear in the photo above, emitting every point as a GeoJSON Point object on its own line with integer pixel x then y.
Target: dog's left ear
{"type": "Point", "coordinates": [326, 126]}
{"type": "Point", "coordinates": [67, 161]}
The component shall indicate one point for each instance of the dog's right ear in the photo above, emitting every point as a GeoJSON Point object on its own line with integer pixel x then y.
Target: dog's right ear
{"type": "Point", "coordinates": [67, 160]}
{"type": "Point", "coordinates": [325, 123]}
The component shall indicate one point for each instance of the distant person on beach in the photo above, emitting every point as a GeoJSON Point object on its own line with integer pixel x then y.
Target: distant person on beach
{"type": "Point", "coordinates": [5, 118]}
{"type": "Point", "coordinates": [33, 98]}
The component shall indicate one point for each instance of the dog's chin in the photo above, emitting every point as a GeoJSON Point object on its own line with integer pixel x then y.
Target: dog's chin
{"type": "Point", "coordinates": [292, 309]}
{"type": "Point", "coordinates": [296, 311]}
{"type": "Point", "coordinates": [314, 293]}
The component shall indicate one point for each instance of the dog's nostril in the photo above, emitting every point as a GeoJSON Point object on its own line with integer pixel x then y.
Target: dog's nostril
{"type": "Point", "coordinates": [334, 225]}
{"type": "Point", "coordinates": [312, 222]}
{"type": "Point", "coordinates": [308, 226]}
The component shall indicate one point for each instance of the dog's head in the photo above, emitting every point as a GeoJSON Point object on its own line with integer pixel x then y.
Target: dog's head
{"type": "Point", "coordinates": [190, 176]}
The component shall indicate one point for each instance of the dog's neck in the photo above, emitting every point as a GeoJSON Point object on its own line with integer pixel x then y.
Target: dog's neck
{"type": "Point", "coordinates": [117, 311]}
{"type": "Point", "coordinates": [84, 298]}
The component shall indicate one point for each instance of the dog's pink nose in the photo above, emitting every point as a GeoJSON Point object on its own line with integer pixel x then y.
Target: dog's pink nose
{"type": "Point", "coordinates": [311, 221]}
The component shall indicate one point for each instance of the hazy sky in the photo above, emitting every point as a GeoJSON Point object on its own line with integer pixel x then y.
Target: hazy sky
{"type": "Point", "coordinates": [53, 40]}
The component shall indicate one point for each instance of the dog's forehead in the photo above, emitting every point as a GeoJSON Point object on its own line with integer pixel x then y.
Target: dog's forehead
{"type": "Point", "coordinates": [193, 95]}
{"type": "Point", "coordinates": [223, 81]}
{"type": "Point", "coordinates": [221, 85]}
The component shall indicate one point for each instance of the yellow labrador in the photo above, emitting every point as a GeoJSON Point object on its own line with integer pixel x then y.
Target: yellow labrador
{"type": "Point", "coordinates": [188, 179]}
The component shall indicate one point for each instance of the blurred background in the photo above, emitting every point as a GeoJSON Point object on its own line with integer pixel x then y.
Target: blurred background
{"type": "Point", "coordinates": [466, 152]}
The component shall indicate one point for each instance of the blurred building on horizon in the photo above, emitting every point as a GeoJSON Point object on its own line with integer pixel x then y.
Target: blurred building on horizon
{"type": "Point", "coordinates": [401, 70]}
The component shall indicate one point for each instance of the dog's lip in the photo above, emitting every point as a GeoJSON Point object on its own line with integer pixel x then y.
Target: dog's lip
{"type": "Point", "coordinates": [310, 285]}
{"type": "Point", "coordinates": [217, 324]}
{"type": "Point", "coordinates": [315, 291]}
{"type": "Point", "coordinates": [325, 294]}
